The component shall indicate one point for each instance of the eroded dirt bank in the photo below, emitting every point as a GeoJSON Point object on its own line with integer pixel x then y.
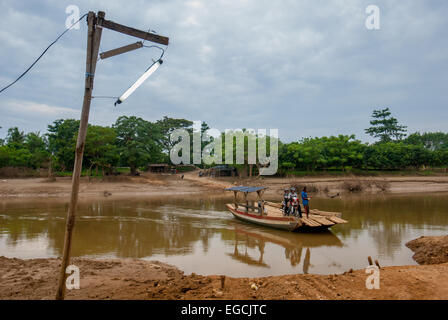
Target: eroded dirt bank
{"type": "Point", "coordinates": [430, 250]}
{"type": "Point", "coordinates": [334, 186]}
{"type": "Point", "coordinates": [156, 185]}
{"type": "Point", "coordinates": [138, 279]}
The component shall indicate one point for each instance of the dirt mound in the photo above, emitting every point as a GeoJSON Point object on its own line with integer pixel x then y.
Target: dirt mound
{"type": "Point", "coordinates": [430, 250]}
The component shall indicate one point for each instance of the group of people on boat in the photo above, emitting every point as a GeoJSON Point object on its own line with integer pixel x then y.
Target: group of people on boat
{"type": "Point", "coordinates": [291, 203]}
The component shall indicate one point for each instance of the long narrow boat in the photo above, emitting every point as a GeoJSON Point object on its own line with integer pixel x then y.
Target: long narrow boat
{"type": "Point", "coordinates": [270, 214]}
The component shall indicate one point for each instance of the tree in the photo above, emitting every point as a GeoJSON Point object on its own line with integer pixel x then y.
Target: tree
{"type": "Point", "coordinates": [101, 149]}
{"type": "Point", "coordinates": [245, 146]}
{"type": "Point", "coordinates": [15, 137]}
{"type": "Point", "coordinates": [167, 126]}
{"type": "Point", "coordinates": [430, 140]}
{"type": "Point", "coordinates": [62, 141]}
{"type": "Point", "coordinates": [37, 146]}
{"type": "Point", "coordinates": [385, 127]}
{"type": "Point", "coordinates": [138, 141]}
{"type": "Point", "coordinates": [341, 153]}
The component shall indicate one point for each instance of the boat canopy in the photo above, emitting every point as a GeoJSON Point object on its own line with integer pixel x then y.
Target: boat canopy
{"type": "Point", "coordinates": [246, 189]}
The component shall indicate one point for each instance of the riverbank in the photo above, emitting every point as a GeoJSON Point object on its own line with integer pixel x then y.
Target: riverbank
{"type": "Point", "coordinates": [157, 185]}
{"type": "Point", "coordinates": [138, 279]}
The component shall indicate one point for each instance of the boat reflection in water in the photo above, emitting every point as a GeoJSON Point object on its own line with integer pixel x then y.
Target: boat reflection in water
{"type": "Point", "coordinates": [296, 246]}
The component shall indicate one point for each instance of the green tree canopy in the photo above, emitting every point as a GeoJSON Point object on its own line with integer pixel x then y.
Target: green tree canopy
{"type": "Point", "coordinates": [385, 127]}
{"type": "Point", "coordinates": [430, 140]}
{"type": "Point", "coordinates": [15, 137]}
{"type": "Point", "coordinates": [101, 149]}
{"type": "Point", "coordinates": [139, 142]}
{"type": "Point", "coordinates": [167, 126]}
{"type": "Point", "coordinates": [62, 142]}
{"type": "Point", "coordinates": [37, 146]}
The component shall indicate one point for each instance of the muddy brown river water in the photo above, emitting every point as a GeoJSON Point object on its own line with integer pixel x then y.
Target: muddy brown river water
{"type": "Point", "coordinates": [200, 235]}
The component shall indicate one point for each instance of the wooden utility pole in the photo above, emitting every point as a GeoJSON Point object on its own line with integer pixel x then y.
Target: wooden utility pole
{"type": "Point", "coordinates": [95, 25]}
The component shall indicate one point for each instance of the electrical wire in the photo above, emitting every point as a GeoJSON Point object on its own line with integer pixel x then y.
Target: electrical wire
{"type": "Point", "coordinates": [160, 48]}
{"type": "Point", "coordinates": [160, 58]}
{"type": "Point", "coordinates": [154, 61]}
{"type": "Point", "coordinates": [42, 54]}
{"type": "Point", "coordinates": [104, 97]}
{"type": "Point", "coordinates": [149, 30]}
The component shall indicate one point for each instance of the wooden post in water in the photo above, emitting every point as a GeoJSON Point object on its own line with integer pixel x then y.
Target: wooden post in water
{"type": "Point", "coordinates": [93, 44]}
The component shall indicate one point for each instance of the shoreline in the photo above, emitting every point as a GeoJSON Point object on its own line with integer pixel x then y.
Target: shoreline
{"type": "Point", "coordinates": [156, 185]}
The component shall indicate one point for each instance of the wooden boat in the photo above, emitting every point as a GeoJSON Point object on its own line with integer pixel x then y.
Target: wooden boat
{"type": "Point", "coordinates": [269, 214]}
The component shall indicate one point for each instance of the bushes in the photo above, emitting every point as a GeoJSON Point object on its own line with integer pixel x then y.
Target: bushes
{"type": "Point", "coordinates": [14, 172]}
{"type": "Point", "coordinates": [326, 153]}
{"type": "Point", "coordinates": [344, 153]}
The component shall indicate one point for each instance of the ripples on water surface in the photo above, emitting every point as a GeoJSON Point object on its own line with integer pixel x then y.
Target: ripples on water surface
{"type": "Point", "coordinates": [199, 235]}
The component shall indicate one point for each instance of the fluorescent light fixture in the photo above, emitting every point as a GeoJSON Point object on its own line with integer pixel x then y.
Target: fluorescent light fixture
{"type": "Point", "coordinates": [139, 81]}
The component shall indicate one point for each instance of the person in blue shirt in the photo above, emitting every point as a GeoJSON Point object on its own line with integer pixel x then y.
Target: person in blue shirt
{"type": "Point", "coordinates": [305, 201]}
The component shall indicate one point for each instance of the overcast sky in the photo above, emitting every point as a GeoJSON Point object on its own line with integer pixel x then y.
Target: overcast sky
{"type": "Point", "coordinates": [308, 68]}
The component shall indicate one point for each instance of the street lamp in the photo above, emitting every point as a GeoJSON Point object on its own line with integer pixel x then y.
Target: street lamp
{"type": "Point", "coordinates": [152, 68]}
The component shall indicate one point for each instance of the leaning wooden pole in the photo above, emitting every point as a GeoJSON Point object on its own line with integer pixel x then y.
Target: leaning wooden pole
{"type": "Point", "coordinates": [93, 43]}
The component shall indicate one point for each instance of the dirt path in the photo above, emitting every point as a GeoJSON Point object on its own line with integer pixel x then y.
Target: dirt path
{"type": "Point", "coordinates": [138, 279]}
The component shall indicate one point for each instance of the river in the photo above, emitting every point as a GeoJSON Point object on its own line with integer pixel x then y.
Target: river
{"type": "Point", "coordinates": [199, 235]}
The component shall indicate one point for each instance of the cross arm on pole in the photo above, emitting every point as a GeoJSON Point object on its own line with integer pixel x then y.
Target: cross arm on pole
{"type": "Point", "coordinates": [133, 32]}
{"type": "Point", "coordinates": [124, 49]}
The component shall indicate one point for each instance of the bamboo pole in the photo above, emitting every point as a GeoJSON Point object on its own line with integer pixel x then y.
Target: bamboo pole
{"type": "Point", "coordinates": [93, 43]}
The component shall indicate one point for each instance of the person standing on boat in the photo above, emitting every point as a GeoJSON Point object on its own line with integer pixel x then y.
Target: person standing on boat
{"type": "Point", "coordinates": [285, 204]}
{"type": "Point", "coordinates": [305, 201]}
{"type": "Point", "coordinates": [294, 199]}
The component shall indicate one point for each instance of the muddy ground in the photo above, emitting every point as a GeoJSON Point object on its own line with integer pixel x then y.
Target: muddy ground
{"type": "Point", "coordinates": [138, 279]}
{"type": "Point", "coordinates": [156, 185]}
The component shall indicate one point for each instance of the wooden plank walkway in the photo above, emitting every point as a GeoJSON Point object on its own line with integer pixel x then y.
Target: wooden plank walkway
{"type": "Point", "coordinates": [322, 220]}
{"type": "Point", "coordinates": [337, 220]}
{"type": "Point", "coordinates": [317, 218]}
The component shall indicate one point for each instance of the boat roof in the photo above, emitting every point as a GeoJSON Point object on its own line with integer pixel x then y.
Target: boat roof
{"type": "Point", "coordinates": [246, 189]}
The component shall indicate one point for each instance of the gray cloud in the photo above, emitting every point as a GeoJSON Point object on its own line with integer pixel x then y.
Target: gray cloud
{"type": "Point", "coordinates": [309, 68]}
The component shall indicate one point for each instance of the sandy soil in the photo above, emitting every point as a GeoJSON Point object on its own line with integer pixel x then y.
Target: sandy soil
{"type": "Point", "coordinates": [332, 186]}
{"type": "Point", "coordinates": [430, 250]}
{"type": "Point", "coordinates": [154, 185]}
{"type": "Point", "coordinates": [138, 279]}
{"type": "Point", "coordinates": [147, 185]}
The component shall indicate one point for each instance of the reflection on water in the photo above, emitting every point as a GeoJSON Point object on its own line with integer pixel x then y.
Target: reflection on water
{"type": "Point", "coordinates": [199, 235]}
{"type": "Point", "coordinates": [248, 237]}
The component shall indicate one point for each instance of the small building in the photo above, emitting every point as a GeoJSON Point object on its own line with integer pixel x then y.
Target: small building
{"type": "Point", "coordinates": [223, 171]}
{"type": "Point", "coordinates": [159, 168]}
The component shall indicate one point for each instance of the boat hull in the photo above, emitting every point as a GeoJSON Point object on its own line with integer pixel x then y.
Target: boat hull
{"type": "Point", "coordinates": [283, 223]}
